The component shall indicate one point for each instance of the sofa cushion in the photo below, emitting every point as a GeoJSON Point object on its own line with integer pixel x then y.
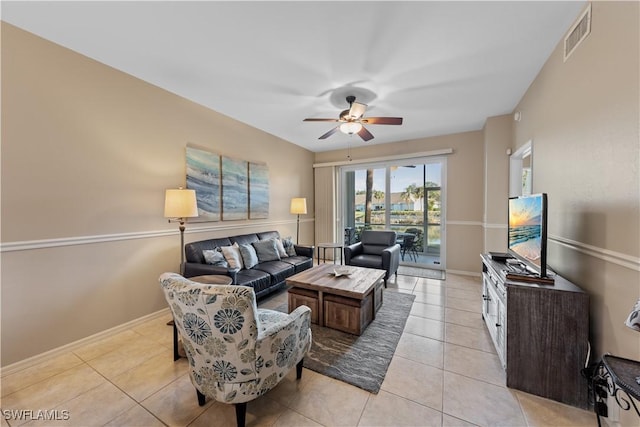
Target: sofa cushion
{"type": "Point", "coordinates": [373, 249]}
{"type": "Point", "coordinates": [367, 261]}
{"type": "Point", "coordinates": [280, 247]}
{"type": "Point", "coordinates": [249, 256]}
{"type": "Point", "coordinates": [244, 239]}
{"type": "Point", "coordinates": [268, 235]}
{"type": "Point", "coordinates": [374, 242]}
{"type": "Point", "coordinates": [279, 270]}
{"type": "Point", "coordinates": [215, 257]}
{"type": "Point", "coordinates": [193, 251]}
{"type": "Point", "coordinates": [233, 256]}
{"type": "Point", "coordinates": [257, 279]}
{"type": "Point", "coordinates": [299, 263]}
{"type": "Point", "coordinates": [288, 246]}
{"type": "Point", "coordinates": [266, 250]}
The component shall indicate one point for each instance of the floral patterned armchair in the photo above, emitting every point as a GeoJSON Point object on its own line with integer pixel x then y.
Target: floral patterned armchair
{"type": "Point", "coordinates": [236, 351]}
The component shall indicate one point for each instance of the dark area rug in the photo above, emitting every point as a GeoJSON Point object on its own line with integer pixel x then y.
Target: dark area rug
{"type": "Point", "coordinates": [360, 360]}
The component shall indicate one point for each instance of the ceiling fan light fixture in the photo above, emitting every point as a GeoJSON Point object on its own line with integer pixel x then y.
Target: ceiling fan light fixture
{"type": "Point", "coordinates": [350, 128]}
{"type": "Point", "coordinates": [351, 121]}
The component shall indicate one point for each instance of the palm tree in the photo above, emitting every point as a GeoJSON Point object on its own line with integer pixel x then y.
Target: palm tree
{"type": "Point", "coordinates": [434, 196]}
{"type": "Point", "coordinates": [370, 196]}
{"type": "Point", "coordinates": [367, 198]}
{"type": "Point", "coordinates": [413, 193]}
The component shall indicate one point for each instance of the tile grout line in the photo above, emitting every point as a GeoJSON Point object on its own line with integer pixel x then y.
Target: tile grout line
{"type": "Point", "coordinates": [137, 403]}
{"type": "Point", "coordinates": [522, 411]}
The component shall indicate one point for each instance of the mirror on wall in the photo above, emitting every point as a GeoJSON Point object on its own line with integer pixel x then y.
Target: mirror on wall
{"type": "Point", "coordinates": [521, 171]}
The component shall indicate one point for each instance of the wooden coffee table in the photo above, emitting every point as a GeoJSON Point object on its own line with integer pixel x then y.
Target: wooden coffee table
{"type": "Point", "coordinates": [347, 303]}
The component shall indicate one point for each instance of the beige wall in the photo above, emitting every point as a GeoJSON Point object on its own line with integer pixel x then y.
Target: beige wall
{"type": "Point", "coordinates": [583, 118]}
{"type": "Point", "coordinates": [465, 189]}
{"type": "Point", "coordinates": [497, 134]}
{"type": "Point", "coordinates": [87, 152]}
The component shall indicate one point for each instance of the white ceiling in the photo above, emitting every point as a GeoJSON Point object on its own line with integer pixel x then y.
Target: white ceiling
{"type": "Point", "coordinates": [442, 66]}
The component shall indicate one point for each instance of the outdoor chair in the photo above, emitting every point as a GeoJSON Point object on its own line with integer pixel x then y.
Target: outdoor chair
{"type": "Point", "coordinates": [417, 243]}
{"type": "Point", "coordinates": [409, 245]}
{"type": "Point", "coordinates": [236, 351]}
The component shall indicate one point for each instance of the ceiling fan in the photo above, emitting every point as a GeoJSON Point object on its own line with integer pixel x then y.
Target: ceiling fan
{"type": "Point", "coordinates": [351, 121]}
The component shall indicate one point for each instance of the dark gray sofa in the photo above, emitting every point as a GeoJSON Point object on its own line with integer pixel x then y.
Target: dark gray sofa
{"type": "Point", "coordinates": [264, 278]}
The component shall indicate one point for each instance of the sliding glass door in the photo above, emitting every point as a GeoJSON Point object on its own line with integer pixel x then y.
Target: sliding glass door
{"type": "Point", "coordinates": [406, 197]}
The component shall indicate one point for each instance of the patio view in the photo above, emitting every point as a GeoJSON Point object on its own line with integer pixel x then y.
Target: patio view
{"type": "Point", "coordinates": [404, 198]}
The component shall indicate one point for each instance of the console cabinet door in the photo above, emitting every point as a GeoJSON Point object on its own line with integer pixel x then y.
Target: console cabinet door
{"type": "Point", "coordinates": [548, 339]}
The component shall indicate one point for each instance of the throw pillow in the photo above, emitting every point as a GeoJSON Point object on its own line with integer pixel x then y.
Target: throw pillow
{"type": "Point", "coordinates": [249, 256]}
{"type": "Point", "coordinates": [215, 257]}
{"type": "Point", "coordinates": [280, 247]}
{"type": "Point", "coordinates": [288, 246]}
{"type": "Point", "coordinates": [266, 250]}
{"type": "Point", "coordinates": [232, 255]}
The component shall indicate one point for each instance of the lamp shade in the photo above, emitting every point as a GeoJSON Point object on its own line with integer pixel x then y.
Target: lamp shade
{"type": "Point", "coordinates": [180, 203]}
{"type": "Point", "coordinates": [299, 206]}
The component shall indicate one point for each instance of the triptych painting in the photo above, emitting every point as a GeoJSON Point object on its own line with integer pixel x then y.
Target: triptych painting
{"type": "Point", "coordinates": [227, 188]}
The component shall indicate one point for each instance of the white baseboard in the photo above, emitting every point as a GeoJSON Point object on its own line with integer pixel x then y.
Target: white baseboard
{"type": "Point", "coordinates": [42, 357]}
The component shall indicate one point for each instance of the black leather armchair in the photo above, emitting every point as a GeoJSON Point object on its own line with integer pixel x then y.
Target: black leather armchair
{"type": "Point", "coordinates": [376, 249]}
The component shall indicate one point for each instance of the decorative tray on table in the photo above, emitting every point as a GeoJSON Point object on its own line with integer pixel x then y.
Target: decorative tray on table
{"type": "Point", "coordinates": [341, 271]}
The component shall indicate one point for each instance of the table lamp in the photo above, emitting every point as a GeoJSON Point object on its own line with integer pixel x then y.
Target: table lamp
{"type": "Point", "coordinates": [180, 204]}
{"type": "Point", "coordinates": [298, 207]}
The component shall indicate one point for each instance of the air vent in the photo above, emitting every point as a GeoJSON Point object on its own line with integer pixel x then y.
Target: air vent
{"type": "Point", "coordinates": [578, 32]}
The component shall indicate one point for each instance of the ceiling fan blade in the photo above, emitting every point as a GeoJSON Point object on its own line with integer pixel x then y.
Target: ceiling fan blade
{"type": "Point", "coordinates": [365, 134]}
{"type": "Point", "coordinates": [331, 132]}
{"type": "Point", "coordinates": [357, 110]}
{"type": "Point", "coordinates": [320, 120]}
{"type": "Point", "coordinates": [382, 120]}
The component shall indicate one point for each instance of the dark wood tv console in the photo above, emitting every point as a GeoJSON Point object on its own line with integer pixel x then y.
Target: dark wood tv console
{"type": "Point", "coordinates": [540, 331]}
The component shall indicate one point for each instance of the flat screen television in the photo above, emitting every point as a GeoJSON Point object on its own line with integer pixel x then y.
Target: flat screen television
{"type": "Point", "coordinates": [528, 231]}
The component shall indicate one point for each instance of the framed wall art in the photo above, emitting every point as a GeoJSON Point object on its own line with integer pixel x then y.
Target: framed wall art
{"type": "Point", "coordinates": [203, 175]}
{"type": "Point", "coordinates": [258, 191]}
{"type": "Point", "coordinates": [235, 189]}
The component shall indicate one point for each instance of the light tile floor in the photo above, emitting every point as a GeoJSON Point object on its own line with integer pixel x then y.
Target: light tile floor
{"type": "Point", "coordinates": [445, 372]}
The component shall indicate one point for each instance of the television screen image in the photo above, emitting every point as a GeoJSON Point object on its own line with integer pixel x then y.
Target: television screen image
{"type": "Point", "coordinates": [527, 231]}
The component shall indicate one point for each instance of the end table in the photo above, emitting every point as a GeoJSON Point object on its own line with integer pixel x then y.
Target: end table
{"type": "Point", "coordinates": [334, 246]}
